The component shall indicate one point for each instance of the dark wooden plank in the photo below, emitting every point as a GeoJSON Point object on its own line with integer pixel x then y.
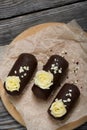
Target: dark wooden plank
{"type": "Point", "coordinates": [10, 28]}
{"type": "Point", "coordinates": [83, 127]}
{"type": "Point", "coordinates": [6, 121]}
{"type": "Point", "coordinates": [12, 8]}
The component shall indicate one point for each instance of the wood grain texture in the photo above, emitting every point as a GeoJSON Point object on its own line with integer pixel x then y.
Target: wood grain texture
{"type": "Point", "coordinates": [18, 15]}
{"type": "Point", "coordinates": [10, 28]}
{"type": "Point", "coordinates": [12, 8]}
{"type": "Point", "coordinates": [9, 121]}
{"type": "Point", "coordinates": [6, 121]}
{"type": "Point", "coordinates": [10, 108]}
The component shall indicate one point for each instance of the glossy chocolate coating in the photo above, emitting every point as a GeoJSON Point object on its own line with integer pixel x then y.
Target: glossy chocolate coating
{"type": "Point", "coordinates": [24, 59]}
{"type": "Point", "coordinates": [60, 62]}
{"type": "Point", "coordinates": [68, 91]}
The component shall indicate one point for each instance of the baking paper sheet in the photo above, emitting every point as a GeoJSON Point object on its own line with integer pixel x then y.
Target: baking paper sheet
{"type": "Point", "coordinates": [55, 39]}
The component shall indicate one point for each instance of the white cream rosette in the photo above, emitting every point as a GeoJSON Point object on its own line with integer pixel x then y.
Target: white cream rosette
{"type": "Point", "coordinates": [44, 79]}
{"type": "Point", "coordinates": [58, 108]}
{"type": "Point", "coordinates": [12, 83]}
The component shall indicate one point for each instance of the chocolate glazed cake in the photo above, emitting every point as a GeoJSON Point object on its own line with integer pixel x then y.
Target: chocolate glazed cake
{"type": "Point", "coordinates": [64, 101]}
{"type": "Point", "coordinates": [50, 77]}
{"type": "Point", "coordinates": [20, 74]}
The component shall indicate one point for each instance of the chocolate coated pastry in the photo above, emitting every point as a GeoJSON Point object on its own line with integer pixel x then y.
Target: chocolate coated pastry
{"type": "Point", "coordinates": [64, 101]}
{"type": "Point", "coordinates": [49, 78]}
{"type": "Point", "coordinates": [20, 74]}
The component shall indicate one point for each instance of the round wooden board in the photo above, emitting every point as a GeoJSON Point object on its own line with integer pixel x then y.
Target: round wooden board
{"type": "Point", "coordinates": [9, 106]}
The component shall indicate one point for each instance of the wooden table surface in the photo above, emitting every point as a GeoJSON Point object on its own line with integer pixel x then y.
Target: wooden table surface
{"type": "Point", "coordinates": [18, 15]}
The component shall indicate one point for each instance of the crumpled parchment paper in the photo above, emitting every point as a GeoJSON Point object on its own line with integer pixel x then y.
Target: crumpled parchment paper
{"type": "Point", "coordinates": [55, 39]}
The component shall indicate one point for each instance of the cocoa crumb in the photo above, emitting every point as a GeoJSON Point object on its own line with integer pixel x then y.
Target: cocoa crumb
{"type": "Point", "coordinates": [81, 87]}
{"type": "Point", "coordinates": [67, 77]}
{"type": "Point", "coordinates": [65, 53]}
{"type": "Point", "coordinates": [77, 62]}
{"type": "Point", "coordinates": [51, 50]}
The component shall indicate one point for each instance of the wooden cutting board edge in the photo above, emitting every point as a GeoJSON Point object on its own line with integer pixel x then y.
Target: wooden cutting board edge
{"type": "Point", "coordinates": [4, 97]}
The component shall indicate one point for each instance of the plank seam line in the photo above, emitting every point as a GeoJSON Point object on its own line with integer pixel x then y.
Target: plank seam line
{"type": "Point", "coordinates": [42, 10]}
